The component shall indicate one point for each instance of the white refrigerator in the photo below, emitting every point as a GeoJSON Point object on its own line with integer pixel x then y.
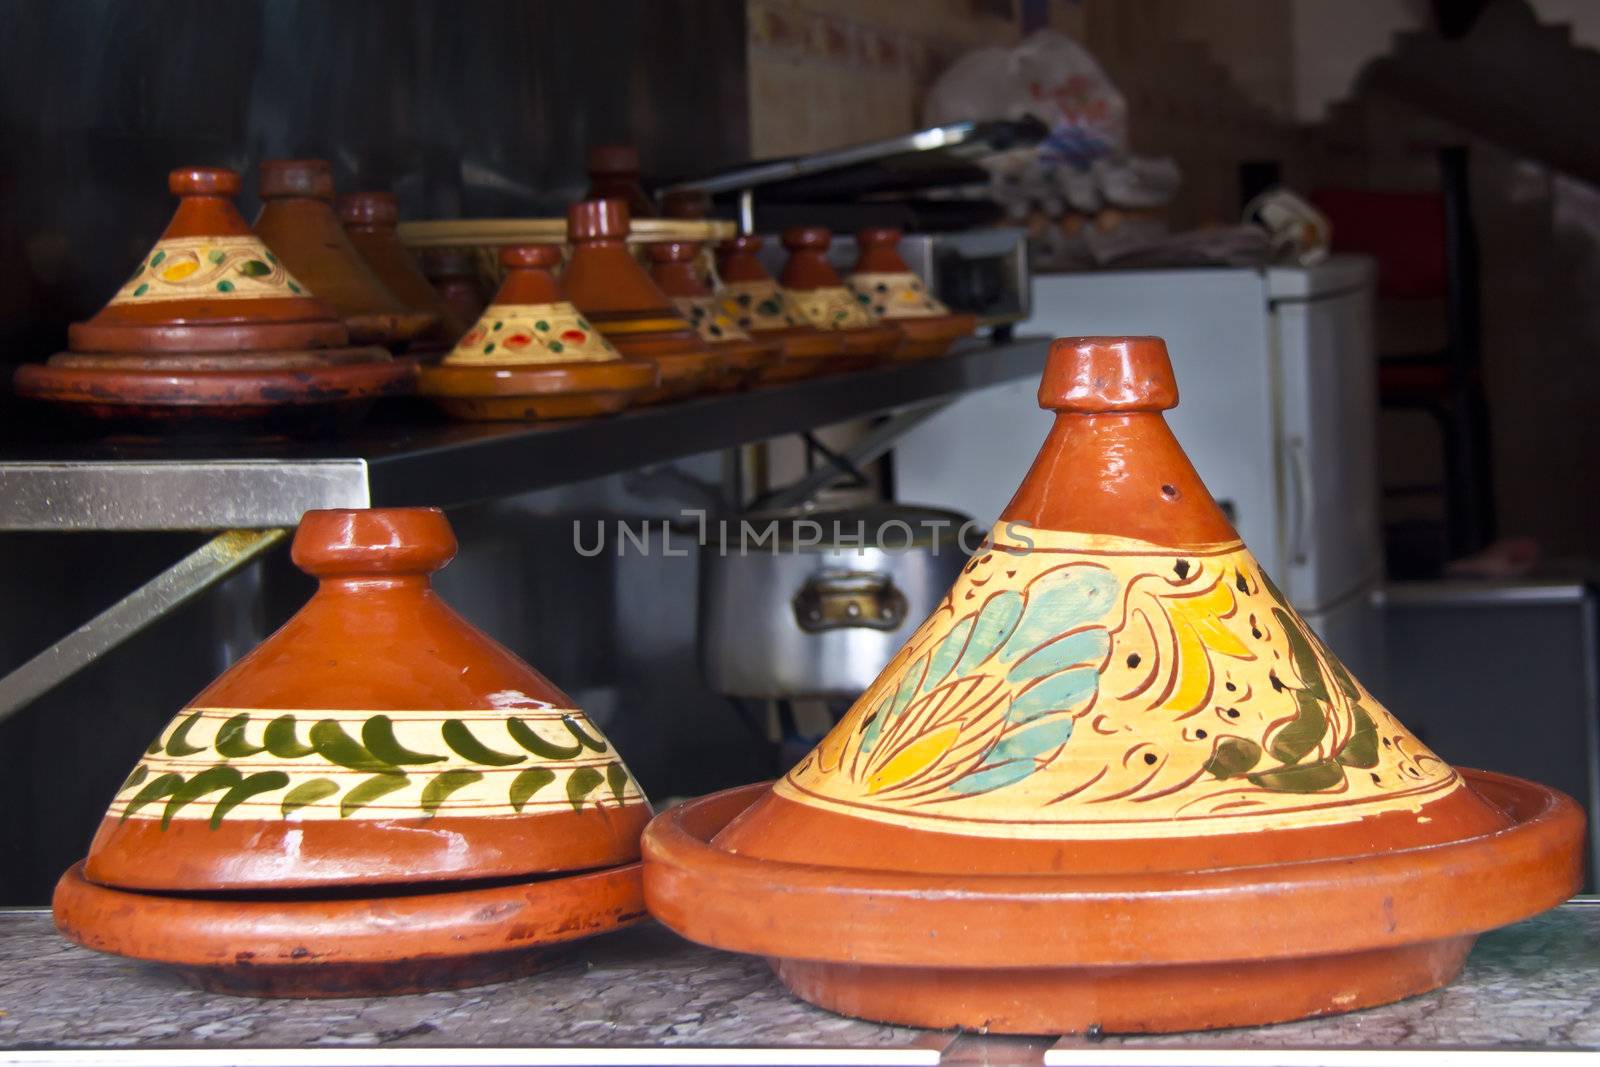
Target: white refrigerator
{"type": "Point", "coordinates": [1278, 412]}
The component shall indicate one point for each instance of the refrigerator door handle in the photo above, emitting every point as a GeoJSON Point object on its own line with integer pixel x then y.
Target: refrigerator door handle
{"type": "Point", "coordinates": [1300, 502]}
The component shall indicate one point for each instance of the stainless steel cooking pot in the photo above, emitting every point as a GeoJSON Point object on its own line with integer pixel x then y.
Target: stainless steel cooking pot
{"type": "Point", "coordinates": [811, 604]}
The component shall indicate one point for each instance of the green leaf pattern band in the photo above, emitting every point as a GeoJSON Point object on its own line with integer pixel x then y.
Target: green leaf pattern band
{"type": "Point", "coordinates": [214, 764]}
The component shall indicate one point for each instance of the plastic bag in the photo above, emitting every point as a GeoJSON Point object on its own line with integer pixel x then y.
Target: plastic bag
{"type": "Point", "coordinates": [1049, 76]}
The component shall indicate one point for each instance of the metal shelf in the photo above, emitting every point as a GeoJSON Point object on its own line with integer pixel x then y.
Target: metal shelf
{"type": "Point", "coordinates": [411, 459]}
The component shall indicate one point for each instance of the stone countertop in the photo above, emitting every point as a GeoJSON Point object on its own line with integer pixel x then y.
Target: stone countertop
{"type": "Point", "coordinates": [1535, 985]}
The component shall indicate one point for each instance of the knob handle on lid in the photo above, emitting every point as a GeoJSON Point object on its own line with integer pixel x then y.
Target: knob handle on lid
{"type": "Point", "coordinates": [368, 209]}
{"type": "Point", "coordinates": [1105, 374]}
{"type": "Point", "coordinates": [525, 257]}
{"type": "Point", "coordinates": [590, 220]}
{"type": "Point", "coordinates": [203, 181]}
{"type": "Point", "coordinates": [612, 159]}
{"type": "Point", "coordinates": [745, 242]}
{"type": "Point", "coordinates": [296, 177]}
{"type": "Point", "coordinates": [337, 543]}
{"type": "Point", "coordinates": [673, 251]}
{"type": "Point", "coordinates": [797, 237]}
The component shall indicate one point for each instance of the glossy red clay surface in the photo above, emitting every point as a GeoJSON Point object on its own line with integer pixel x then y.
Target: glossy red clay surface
{"type": "Point", "coordinates": [1113, 780]}
{"type": "Point", "coordinates": [297, 221]}
{"type": "Point", "coordinates": [610, 287]}
{"type": "Point", "coordinates": [1059, 953]}
{"type": "Point", "coordinates": [351, 946]}
{"type": "Point", "coordinates": [372, 772]}
{"type": "Point", "coordinates": [540, 381]}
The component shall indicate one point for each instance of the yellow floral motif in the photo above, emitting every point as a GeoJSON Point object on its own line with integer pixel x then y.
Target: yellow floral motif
{"type": "Point", "coordinates": [830, 307]}
{"type": "Point", "coordinates": [520, 334]}
{"type": "Point", "coordinates": [707, 315]}
{"type": "Point", "coordinates": [897, 295]}
{"type": "Point", "coordinates": [1075, 686]}
{"type": "Point", "coordinates": [212, 268]}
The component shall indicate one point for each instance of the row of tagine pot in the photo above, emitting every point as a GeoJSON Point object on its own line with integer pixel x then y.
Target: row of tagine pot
{"type": "Point", "coordinates": [1112, 781]}
{"type": "Point", "coordinates": [306, 319]}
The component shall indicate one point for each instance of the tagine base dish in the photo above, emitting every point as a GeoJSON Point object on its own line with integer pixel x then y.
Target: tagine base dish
{"type": "Point", "coordinates": [1136, 952]}
{"type": "Point", "coordinates": [805, 353]}
{"type": "Point", "coordinates": [929, 338]}
{"type": "Point", "coordinates": [325, 387]}
{"type": "Point", "coordinates": [342, 945]}
{"type": "Point", "coordinates": [542, 391]}
{"type": "Point", "coordinates": [867, 345]}
{"type": "Point", "coordinates": [745, 364]}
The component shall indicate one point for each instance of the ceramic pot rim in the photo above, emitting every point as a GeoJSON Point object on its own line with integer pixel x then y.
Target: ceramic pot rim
{"type": "Point", "coordinates": [937, 327]}
{"type": "Point", "coordinates": [1279, 910]}
{"type": "Point", "coordinates": [227, 931]}
{"type": "Point", "coordinates": [626, 375]}
{"type": "Point", "coordinates": [211, 388]}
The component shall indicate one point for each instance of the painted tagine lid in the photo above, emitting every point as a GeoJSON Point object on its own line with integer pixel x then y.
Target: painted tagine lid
{"type": "Point", "coordinates": [885, 285]}
{"type": "Point", "coordinates": [1118, 753]}
{"type": "Point", "coordinates": [757, 304]}
{"type": "Point", "coordinates": [369, 222]}
{"type": "Point", "coordinates": [532, 354]}
{"type": "Point", "coordinates": [212, 327]}
{"type": "Point", "coordinates": [821, 298]}
{"type": "Point", "coordinates": [675, 267]}
{"type": "Point", "coordinates": [611, 288]}
{"type": "Point", "coordinates": [376, 739]}
{"type": "Point", "coordinates": [297, 220]}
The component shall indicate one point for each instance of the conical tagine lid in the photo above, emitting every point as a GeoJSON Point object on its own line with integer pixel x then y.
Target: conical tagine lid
{"type": "Point", "coordinates": [530, 319]}
{"type": "Point", "coordinates": [209, 285]}
{"type": "Point", "coordinates": [884, 282]}
{"type": "Point", "coordinates": [1113, 781]}
{"type": "Point", "coordinates": [377, 738]}
{"type": "Point", "coordinates": [298, 221]}
{"type": "Point", "coordinates": [1114, 683]}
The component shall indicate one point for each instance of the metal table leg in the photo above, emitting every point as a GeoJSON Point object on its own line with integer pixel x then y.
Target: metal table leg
{"type": "Point", "coordinates": [178, 584]}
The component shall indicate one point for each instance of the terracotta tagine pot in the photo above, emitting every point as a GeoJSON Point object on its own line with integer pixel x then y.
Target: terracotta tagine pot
{"type": "Point", "coordinates": [532, 355]}
{"type": "Point", "coordinates": [453, 273]}
{"type": "Point", "coordinates": [616, 294]}
{"type": "Point", "coordinates": [613, 171]}
{"type": "Point", "coordinates": [758, 305]}
{"type": "Point", "coordinates": [212, 332]}
{"type": "Point", "coordinates": [820, 296]}
{"type": "Point", "coordinates": [298, 223]}
{"type": "Point", "coordinates": [378, 799]}
{"type": "Point", "coordinates": [1113, 782]}
{"type": "Point", "coordinates": [369, 220]}
{"type": "Point", "coordinates": [674, 267]}
{"type": "Point", "coordinates": [889, 289]}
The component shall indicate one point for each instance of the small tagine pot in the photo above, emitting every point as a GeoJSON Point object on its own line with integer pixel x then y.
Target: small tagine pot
{"type": "Point", "coordinates": [820, 296]}
{"type": "Point", "coordinates": [1113, 782]}
{"type": "Point", "coordinates": [213, 332]}
{"type": "Point", "coordinates": [756, 303]}
{"type": "Point", "coordinates": [297, 221]}
{"type": "Point", "coordinates": [532, 355]}
{"type": "Point", "coordinates": [888, 288]}
{"type": "Point", "coordinates": [674, 267]}
{"type": "Point", "coordinates": [369, 220]}
{"type": "Point", "coordinates": [616, 294]}
{"type": "Point", "coordinates": [378, 799]}
{"type": "Point", "coordinates": [613, 171]}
